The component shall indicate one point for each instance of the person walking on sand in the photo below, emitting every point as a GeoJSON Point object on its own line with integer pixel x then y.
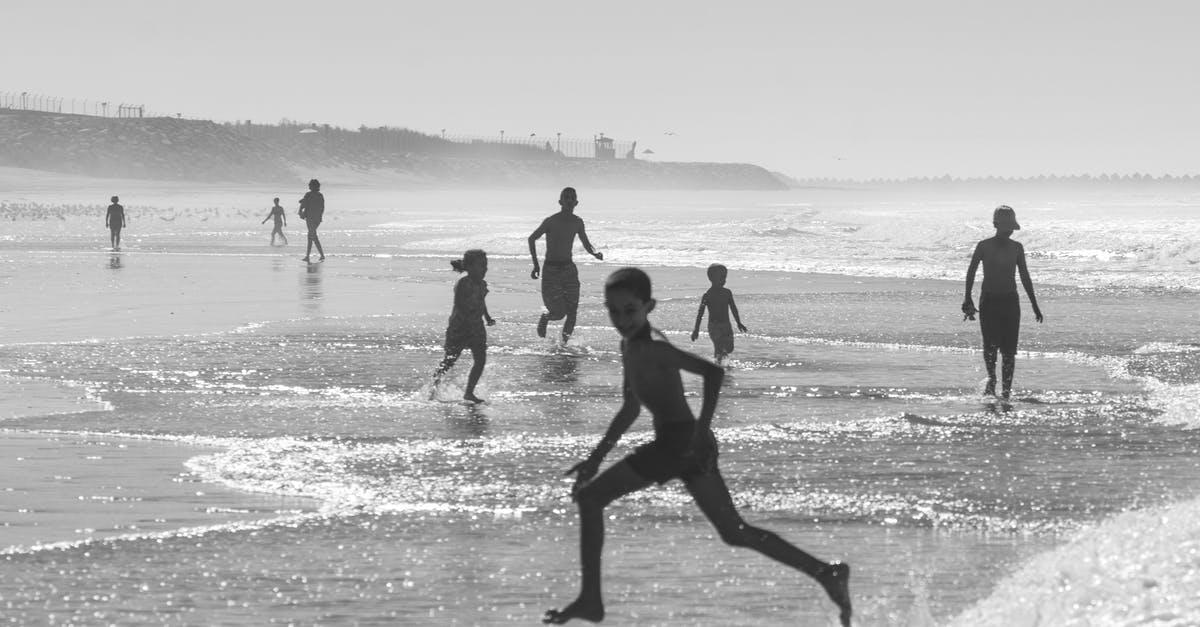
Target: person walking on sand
{"type": "Point", "coordinates": [114, 219]}
{"type": "Point", "coordinates": [465, 329]}
{"type": "Point", "coordinates": [999, 307]}
{"type": "Point", "coordinates": [280, 222]}
{"type": "Point", "coordinates": [560, 277]}
{"type": "Point", "coordinates": [312, 210]}
{"type": "Point", "coordinates": [684, 448]}
{"type": "Point", "coordinates": [719, 302]}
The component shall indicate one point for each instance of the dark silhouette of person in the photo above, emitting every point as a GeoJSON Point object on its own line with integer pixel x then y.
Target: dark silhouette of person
{"type": "Point", "coordinates": [684, 447]}
{"type": "Point", "coordinates": [465, 329]}
{"type": "Point", "coordinates": [312, 210]}
{"type": "Point", "coordinates": [560, 277]}
{"type": "Point", "coordinates": [719, 302]}
{"type": "Point", "coordinates": [114, 219]}
{"type": "Point", "coordinates": [999, 307]}
{"type": "Point", "coordinates": [277, 213]}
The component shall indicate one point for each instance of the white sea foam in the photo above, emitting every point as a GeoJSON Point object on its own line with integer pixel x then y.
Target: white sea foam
{"type": "Point", "coordinates": [1137, 568]}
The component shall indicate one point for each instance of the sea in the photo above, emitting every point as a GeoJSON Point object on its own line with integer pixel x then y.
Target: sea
{"type": "Point", "coordinates": [852, 420]}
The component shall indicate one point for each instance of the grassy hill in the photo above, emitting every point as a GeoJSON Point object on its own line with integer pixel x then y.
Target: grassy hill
{"type": "Point", "coordinates": [197, 150]}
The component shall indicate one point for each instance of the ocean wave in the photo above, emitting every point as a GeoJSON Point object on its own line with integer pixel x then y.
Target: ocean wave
{"type": "Point", "coordinates": [1136, 568]}
{"type": "Point", "coordinates": [185, 532]}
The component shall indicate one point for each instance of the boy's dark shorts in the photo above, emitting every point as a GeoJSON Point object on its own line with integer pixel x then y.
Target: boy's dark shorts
{"type": "Point", "coordinates": [662, 459]}
{"type": "Point", "coordinates": [1000, 321]}
{"type": "Point", "coordinates": [721, 334]}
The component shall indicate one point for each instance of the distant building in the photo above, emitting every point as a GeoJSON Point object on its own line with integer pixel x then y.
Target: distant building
{"type": "Point", "coordinates": [605, 148]}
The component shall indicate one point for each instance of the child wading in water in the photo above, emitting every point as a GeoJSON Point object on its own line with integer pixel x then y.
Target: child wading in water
{"type": "Point", "coordinates": [280, 222]}
{"type": "Point", "coordinates": [683, 448]}
{"type": "Point", "coordinates": [719, 301]}
{"type": "Point", "coordinates": [465, 329]}
{"type": "Point", "coordinates": [999, 307]}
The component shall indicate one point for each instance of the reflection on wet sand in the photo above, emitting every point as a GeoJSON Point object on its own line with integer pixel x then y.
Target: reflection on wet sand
{"type": "Point", "coordinates": [311, 291]}
{"type": "Point", "coordinates": [114, 261]}
{"type": "Point", "coordinates": [560, 368]}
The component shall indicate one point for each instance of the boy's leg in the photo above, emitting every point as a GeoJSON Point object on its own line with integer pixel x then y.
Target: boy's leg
{"type": "Point", "coordinates": [571, 296]}
{"type": "Point", "coordinates": [317, 240]}
{"type": "Point", "coordinates": [989, 362]}
{"type": "Point", "coordinates": [712, 495]}
{"type": "Point", "coordinates": [568, 326]}
{"type": "Point", "coordinates": [1006, 372]}
{"type": "Point", "coordinates": [610, 485]}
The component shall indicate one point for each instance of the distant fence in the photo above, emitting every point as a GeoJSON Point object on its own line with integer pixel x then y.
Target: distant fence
{"type": "Point", "coordinates": [28, 101]}
{"type": "Point", "coordinates": [599, 147]}
{"type": "Point", "coordinates": [386, 139]}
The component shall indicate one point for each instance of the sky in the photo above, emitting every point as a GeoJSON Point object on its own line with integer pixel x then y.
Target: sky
{"type": "Point", "coordinates": [850, 89]}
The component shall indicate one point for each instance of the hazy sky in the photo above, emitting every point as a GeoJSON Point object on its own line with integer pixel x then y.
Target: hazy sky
{"type": "Point", "coordinates": [846, 89]}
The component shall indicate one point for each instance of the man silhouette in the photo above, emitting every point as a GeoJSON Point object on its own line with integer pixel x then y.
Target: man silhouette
{"type": "Point", "coordinates": [560, 277]}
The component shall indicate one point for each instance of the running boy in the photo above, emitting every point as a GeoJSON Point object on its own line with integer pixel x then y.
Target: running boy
{"type": "Point", "coordinates": [280, 222]}
{"type": "Point", "coordinates": [683, 448]}
{"type": "Point", "coordinates": [465, 329]}
{"type": "Point", "coordinates": [999, 307]}
{"type": "Point", "coordinates": [719, 301]}
{"type": "Point", "coordinates": [114, 219]}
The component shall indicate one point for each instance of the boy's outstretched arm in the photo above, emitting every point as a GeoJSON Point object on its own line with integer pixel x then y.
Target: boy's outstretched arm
{"type": "Point", "coordinates": [533, 238]}
{"type": "Point", "coordinates": [699, 317]}
{"type": "Point", "coordinates": [587, 245]}
{"type": "Point", "coordinates": [588, 468]}
{"type": "Point", "coordinates": [736, 317]}
{"type": "Point", "coordinates": [1027, 283]}
{"type": "Point", "coordinates": [968, 305]}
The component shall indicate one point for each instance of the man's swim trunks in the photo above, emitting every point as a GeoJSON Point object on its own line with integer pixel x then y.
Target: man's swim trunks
{"type": "Point", "coordinates": [721, 334]}
{"type": "Point", "coordinates": [662, 459]}
{"type": "Point", "coordinates": [560, 288]}
{"type": "Point", "coordinates": [1000, 320]}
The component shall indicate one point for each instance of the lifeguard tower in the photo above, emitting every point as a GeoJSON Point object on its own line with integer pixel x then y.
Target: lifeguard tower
{"type": "Point", "coordinates": [605, 148]}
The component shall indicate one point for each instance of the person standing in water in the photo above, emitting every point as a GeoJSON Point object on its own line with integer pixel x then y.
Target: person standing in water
{"type": "Point", "coordinates": [560, 277]}
{"type": "Point", "coordinates": [465, 329]}
{"type": "Point", "coordinates": [999, 307]}
{"type": "Point", "coordinates": [280, 222]}
{"type": "Point", "coordinates": [114, 219]}
{"type": "Point", "coordinates": [312, 210]}
{"type": "Point", "coordinates": [719, 302]}
{"type": "Point", "coordinates": [684, 448]}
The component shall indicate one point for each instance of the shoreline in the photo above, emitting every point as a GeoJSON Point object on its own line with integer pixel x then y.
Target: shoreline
{"type": "Point", "coordinates": [66, 488]}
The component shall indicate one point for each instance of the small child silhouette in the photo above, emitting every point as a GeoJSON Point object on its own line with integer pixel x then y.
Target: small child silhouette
{"type": "Point", "coordinates": [276, 212]}
{"type": "Point", "coordinates": [719, 302]}
{"type": "Point", "coordinates": [465, 329]}
{"type": "Point", "coordinates": [999, 307]}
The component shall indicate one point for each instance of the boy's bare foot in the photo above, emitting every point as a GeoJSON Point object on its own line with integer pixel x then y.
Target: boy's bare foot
{"type": "Point", "coordinates": [835, 578]}
{"type": "Point", "coordinates": [593, 612]}
{"type": "Point", "coordinates": [470, 397]}
{"type": "Point", "coordinates": [541, 328]}
{"type": "Point", "coordinates": [990, 388]}
{"type": "Point", "coordinates": [304, 259]}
